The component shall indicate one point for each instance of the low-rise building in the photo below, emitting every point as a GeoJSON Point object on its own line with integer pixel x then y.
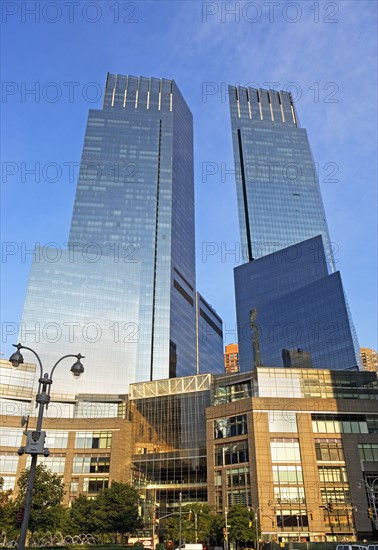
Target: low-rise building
{"type": "Point", "coordinates": [297, 446]}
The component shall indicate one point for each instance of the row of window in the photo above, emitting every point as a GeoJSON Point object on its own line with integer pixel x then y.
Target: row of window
{"type": "Point", "coordinates": [93, 440]}
{"type": "Point", "coordinates": [288, 450]}
{"type": "Point", "coordinates": [231, 454]}
{"type": "Point", "coordinates": [91, 465]}
{"type": "Point", "coordinates": [12, 437]}
{"type": "Point", "coordinates": [56, 463]}
{"type": "Point", "coordinates": [91, 485]}
{"type": "Point", "coordinates": [286, 421]}
{"type": "Point", "coordinates": [333, 423]}
{"type": "Point", "coordinates": [329, 450]}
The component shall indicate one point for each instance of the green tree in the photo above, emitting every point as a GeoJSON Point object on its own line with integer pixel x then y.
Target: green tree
{"type": "Point", "coordinates": [116, 509]}
{"type": "Point", "coordinates": [216, 530]}
{"type": "Point", "coordinates": [202, 514]}
{"type": "Point", "coordinates": [8, 512]}
{"type": "Point", "coordinates": [242, 525]}
{"type": "Point", "coordinates": [47, 513]}
{"type": "Point", "coordinates": [82, 516]}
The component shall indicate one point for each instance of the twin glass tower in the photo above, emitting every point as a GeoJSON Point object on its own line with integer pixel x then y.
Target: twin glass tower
{"type": "Point", "coordinates": [124, 292]}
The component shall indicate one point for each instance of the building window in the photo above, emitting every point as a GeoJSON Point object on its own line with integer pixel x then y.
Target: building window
{"type": "Point", "coordinates": [91, 465]}
{"type": "Point", "coordinates": [95, 484]}
{"type": "Point", "coordinates": [95, 409]}
{"type": "Point", "coordinates": [93, 440]}
{"type": "Point", "coordinates": [218, 479]}
{"type": "Point", "coordinates": [57, 440]}
{"type": "Point", "coordinates": [8, 482]}
{"type": "Point", "coordinates": [285, 474]}
{"type": "Point", "coordinates": [230, 427]}
{"type": "Point", "coordinates": [329, 450]}
{"type": "Point", "coordinates": [332, 474]}
{"type": "Point", "coordinates": [339, 495]}
{"type": "Point", "coordinates": [368, 451]}
{"type": "Point", "coordinates": [9, 463]}
{"type": "Point", "coordinates": [372, 424]}
{"type": "Point", "coordinates": [285, 450]}
{"type": "Point", "coordinates": [231, 454]}
{"type": "Point", "coordinates": [238, 477]}
{"type": "Point", "coordinates": [74, 485]}
{"type": "Point", "coordinates": [232, 392]}
{"type": "Point", "coordinates": [11, 437]}
{"type": "Point", "coordinates": [289, 495]}
{"type": "Point", "coordinates": [241, 496]}
{"type": "Point", "coordinates": [291, 518]}
{"type": "Point", "coordinates": [282, 421]}
{"type": "Point", "coordinates": [55, 463]}
{"type": "Point", "coordinates": [349, 424]}
{"type": "Point", "coordinates": [339, 519]}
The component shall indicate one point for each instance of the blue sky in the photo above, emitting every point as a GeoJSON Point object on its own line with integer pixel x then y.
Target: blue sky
{"type": "Point", "coordinates": [323, 52]}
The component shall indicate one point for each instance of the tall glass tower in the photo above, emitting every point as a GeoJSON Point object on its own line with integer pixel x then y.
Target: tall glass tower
{"type": "Point", "coordinates": [278, 193]}
{"type": "Point", "coordinates": [291, 307]}
{"type": "Point", "coordinates": [124, 291]}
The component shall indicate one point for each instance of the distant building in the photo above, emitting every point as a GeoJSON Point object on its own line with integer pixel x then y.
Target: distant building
{"type": "Point", "coordinates": [369, 358]}
{"type": "Point", "coordinates": [231, 358]}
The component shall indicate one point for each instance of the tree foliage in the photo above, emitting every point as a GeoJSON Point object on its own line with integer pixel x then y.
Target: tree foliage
{"type": "Point", "coordinates": [209, 527]}
{"type": "Point", "coordinates": [117, 509]}
{"type": "Point", "coordinates": [47, 513]}
{"type": "Point", "coordinates": [242, 525]}
{"type": "Point", "coordinates": [82, 517]}
{"type": "Point", "coordinates": [8, 511]}
{"type": "Point", "coordinates": [114, 510]}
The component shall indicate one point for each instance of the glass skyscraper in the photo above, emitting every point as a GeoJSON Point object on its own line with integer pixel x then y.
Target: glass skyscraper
{"type": "Point", "coordinates": [124, 293]}
{"type": "Point", "coordinates": [279, 200]}
{"type": "Point", "coordinates": [291, 307]}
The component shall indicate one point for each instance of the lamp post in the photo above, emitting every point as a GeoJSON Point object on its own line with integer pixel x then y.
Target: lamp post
{"type": "Point", "coordinates": [256, 512]}
{"type": "Point", "coordinates": [35, 439]}
{"type": "Point", "coordinates": [372, 500]}
{"type": "Point", "coordinates": [225, 530]}
{"type": "Point", "coordinates": [299, 530]}
{"type": "Point", "coordinates": [195, 527]}
{"type": "Point", "coordinates": [180, 520]}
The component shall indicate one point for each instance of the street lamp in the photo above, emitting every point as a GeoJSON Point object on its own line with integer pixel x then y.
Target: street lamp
{"type": "Point", "coordinates": [180, 520]}
{"type": "Point", "coordinates": [225, 530]}
{"type": "Point", "coordinates": [372, 500]}
{"type": "Point", "coordinates": [299, 529]}
{"type": "Point", "coordinates": [35, 439]}
{"type": "Point", "coordinates": [256, 512]}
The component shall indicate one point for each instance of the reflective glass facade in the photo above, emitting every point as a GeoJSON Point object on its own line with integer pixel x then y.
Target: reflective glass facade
{"type": "Point", "coordinates": [124, 292]}
{"type": "Point", "coordinates": [279, 200]}
{"type": "Point", "coordinates": [73, 307]}
{"type": "Point", "coordinates": [209, 338]}
{"type": "Point", "coordinates": [169, 441]}
{"type": "Point", "coordinates": [291, 312]}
